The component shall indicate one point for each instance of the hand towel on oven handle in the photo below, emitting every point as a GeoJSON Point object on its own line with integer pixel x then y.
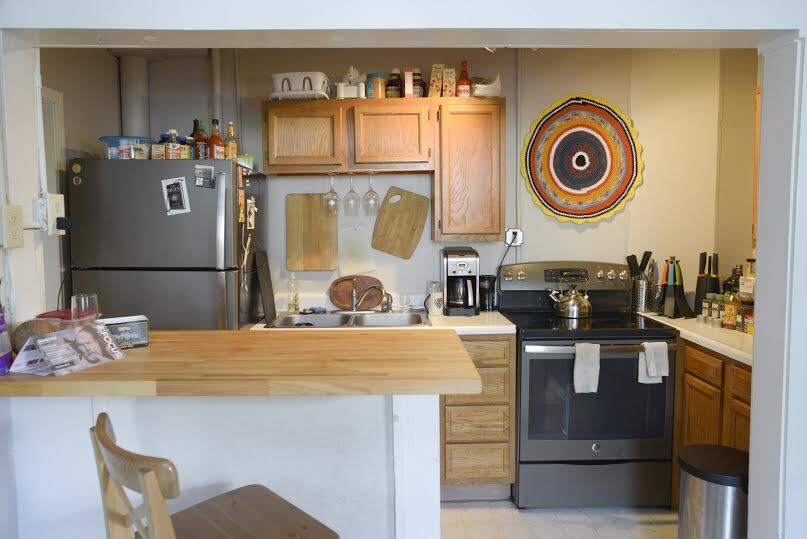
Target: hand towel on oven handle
{"type": "Point", "coordinates": [653, 362]}
{"type": "Point", "coordinates": [586, 367]}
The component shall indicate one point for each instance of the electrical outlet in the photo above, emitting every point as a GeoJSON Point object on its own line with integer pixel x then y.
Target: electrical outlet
{"type": "Point", "coordinates": [510, 233]}
{"type": "Point", "coordinates": [55, 209]}
{"type": "Point", "coordinates": [12, 227]}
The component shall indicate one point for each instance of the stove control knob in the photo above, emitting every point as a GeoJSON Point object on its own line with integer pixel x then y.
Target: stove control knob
{"type": "Point", "coordinates": [600, 274]}
{"type": "Point", "coordinates": [596, 447]}
{"type": "Point", "coordinates": [508, 275]}
{"type": "Point", "coordinates": [611, 275]}
{"type": "Point", "coordinates": [521, 276]}
{"type": "Point", "coordinates": [623, 275]}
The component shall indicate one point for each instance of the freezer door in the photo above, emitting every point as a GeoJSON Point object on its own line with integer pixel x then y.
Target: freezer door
{"type": "Point", "coordinates": [119, 218]}
{"type": "Point", "coordinates": [170, 299]}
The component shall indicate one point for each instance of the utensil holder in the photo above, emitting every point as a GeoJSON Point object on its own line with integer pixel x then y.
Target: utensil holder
{"type": "Point", "coordinates": [642, 297]}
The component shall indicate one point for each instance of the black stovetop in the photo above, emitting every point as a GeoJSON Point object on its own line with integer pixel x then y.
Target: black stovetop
{"type": "Point", "coordinates": [611, 325]}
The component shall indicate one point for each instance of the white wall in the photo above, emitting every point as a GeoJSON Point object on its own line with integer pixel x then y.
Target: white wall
{"type": "Point", "coordinates": [735, 178]}
{"type": "Point", "coordinates": [672, 98]}
{"type": "Point", "coordinates": [88, 79]}
{"type": "Point", "coordinates": [403, 276]}
{"type": "Point", "coordinates": [330, 456]}
{"type": "Point", "coordinates": [8, 481]}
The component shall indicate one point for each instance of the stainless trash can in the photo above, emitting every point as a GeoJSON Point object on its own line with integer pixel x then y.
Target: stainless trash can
{"type": "Point", "coordinates": [713, 502]}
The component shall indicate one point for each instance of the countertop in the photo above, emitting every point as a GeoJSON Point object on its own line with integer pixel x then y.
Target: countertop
{"type": "Point", "coordinates": [734, 344]}
{"type": "Point", "coordinates": [255, 363]}
{"type": "Point", "coordinates": [485, 323]}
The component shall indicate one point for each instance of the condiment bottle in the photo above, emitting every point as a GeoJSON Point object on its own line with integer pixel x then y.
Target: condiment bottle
{"type": "Point", "coordinates": [394, 84]}
{"type": "Point", "coordinates": [216, 143]}
{"type": "Point", "coordinates": [732, 304]}
{"type": "Point", "coordinates": [464, 82]}
{"type": "Point", "coordinates": [230, 144]}
{"type": "Point", "coordinates": [193, 136]}
{"type": "Point", "coordinates": [420, 88]}
{"type": "Point", "coordinates": [200, 147]}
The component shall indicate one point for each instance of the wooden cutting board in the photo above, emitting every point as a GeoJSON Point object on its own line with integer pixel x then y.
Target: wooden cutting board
{"type": "Point", "coordinates": [341, 290]}
{"type": "Point", "coordinates": [400, 222]}
{"type": "Point", "coordinates": [311, 243]}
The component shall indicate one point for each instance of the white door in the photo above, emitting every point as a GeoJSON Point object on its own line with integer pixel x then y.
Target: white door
{"type": "Point", "coordinates": [55, 162]}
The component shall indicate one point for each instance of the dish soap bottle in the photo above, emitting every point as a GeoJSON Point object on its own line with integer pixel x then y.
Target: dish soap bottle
{"type": "Point", "coordinates": [294, 295]}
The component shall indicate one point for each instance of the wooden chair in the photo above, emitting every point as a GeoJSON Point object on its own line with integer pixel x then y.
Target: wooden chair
{"type": "Point", "coordinates": [251, 512]}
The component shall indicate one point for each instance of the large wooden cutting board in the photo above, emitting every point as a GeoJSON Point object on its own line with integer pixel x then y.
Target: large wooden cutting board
{"type": "Point", "coordinates": [311, 243]}
{"type": "Point", "coordinates": [400, 221]}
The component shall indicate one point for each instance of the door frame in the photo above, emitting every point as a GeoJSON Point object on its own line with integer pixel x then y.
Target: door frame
{"type": "Point", "coordinates": [56, 99]}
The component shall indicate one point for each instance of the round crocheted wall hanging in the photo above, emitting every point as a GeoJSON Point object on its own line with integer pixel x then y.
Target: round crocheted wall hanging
{"type": "Point", "coordinates": [582, 159]}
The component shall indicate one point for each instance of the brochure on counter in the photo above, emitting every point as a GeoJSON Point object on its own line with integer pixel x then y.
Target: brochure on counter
{"type": "Point", "coordinates": [68, 350]}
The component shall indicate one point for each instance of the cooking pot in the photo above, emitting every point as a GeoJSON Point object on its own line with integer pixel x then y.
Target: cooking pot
{"type": "Point", "coordinates": [571, 303]}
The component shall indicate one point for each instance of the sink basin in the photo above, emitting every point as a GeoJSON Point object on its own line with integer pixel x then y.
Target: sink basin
{"type": "Point", "coordinates": [311, 320]}
{"type": "Point", "coordinates": [341, 320]}
{"type": "Point", "coordinates": [387, 320]}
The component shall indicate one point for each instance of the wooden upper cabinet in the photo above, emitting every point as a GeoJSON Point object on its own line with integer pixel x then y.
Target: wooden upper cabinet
{"type": "Point", "coordinates": [302, 134]}
{"type": "Point", "coordinates": [395, 133]}
{"type": "Point", "coordinates": [470, 182]}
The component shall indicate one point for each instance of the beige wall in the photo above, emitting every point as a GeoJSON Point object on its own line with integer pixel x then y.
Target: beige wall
{"type": "Point", "coordinates": [88, 78]}
{"type": "Point", "coordinates": [672, 98]}
{"type": "Point", "coordinates": [735, 173]}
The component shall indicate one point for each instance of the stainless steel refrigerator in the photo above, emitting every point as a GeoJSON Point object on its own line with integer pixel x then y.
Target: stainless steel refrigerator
{"type": "Point", "coordinates": [173, 240]}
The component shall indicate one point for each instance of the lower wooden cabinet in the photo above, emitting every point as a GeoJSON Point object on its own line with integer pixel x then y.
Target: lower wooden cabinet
{"type": "Point", "coordinates": [701, 415]}
{"type": "Point", "coordinates": [478, 431]}
{"type": "Point", "coordinates": [477, 463]}
{"type": "Point", "coordinates": [715, 403]}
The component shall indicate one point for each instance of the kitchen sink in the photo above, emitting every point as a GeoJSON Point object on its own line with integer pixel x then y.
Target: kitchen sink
{"type": "Point", "coordinates": [328, 320]}
{"type": "Point", "coordinates": [388, 320]}
{"type": "Point", "coordinates": [356, 320]}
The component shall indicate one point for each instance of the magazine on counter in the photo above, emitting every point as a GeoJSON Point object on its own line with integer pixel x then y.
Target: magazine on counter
{"type": "Point", "coordinates": [68, 350]}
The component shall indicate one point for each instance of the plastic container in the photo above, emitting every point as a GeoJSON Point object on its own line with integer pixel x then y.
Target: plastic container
{"type": "Point", "coordinates": [127, 147]}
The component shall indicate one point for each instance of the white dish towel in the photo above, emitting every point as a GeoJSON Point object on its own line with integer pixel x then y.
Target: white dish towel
{"type": "Point", "coordinates": [653, 362]}
{"type": "Point", "coordinates": [586, 367]}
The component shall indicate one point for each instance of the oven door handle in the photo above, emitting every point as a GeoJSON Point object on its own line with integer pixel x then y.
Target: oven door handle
{"type": "Point", "coordinates": [544, 349]}
{"type": "Point", "coordinates": [612, 348]}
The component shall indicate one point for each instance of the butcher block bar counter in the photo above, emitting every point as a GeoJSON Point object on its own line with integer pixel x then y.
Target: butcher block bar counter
{"type": "Point", "coordinates": [254, 363]}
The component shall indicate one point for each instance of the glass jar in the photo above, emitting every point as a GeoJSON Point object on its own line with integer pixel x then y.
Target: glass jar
{"type": "Point", "coordinates": [394, 84]}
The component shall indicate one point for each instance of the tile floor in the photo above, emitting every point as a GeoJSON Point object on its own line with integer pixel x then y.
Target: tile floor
{"type": "Point", "coordinates": [501, 520]}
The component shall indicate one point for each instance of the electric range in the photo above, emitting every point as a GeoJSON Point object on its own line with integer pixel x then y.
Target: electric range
{"type": "Point", "coordinates": [609, 448]}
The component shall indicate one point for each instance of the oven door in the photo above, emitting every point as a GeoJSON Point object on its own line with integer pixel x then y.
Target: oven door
{"type": "Point", "coordinates": [623, 420]}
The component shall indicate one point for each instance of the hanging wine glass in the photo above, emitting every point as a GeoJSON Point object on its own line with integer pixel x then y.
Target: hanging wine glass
{"type": "Point", "coordinates": [352, 201]}
{"type": "Point", "coordinates": [371, 199]}
{"type": "Point", "coordinates": [331, 200]}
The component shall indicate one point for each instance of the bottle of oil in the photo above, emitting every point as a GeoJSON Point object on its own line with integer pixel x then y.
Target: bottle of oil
{"type": "Point", "coordinates": [230, 144]}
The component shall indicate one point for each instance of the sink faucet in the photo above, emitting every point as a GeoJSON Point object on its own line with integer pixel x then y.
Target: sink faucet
{"type": "Point", "coordinates": [356, 300]}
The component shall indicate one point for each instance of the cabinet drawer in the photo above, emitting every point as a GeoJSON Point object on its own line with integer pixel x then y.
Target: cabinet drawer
{"type": "Point", "coordinates": [495, 388]}
{"type": "Point", "coordinates": [477, 463]}
{"type": "Point", "coordinates": [489, 353]}
{"type": "Point", "coordinates": [740, 383]}
{"type": "Point", "coordinates": [707, 368]}
{"type": "Point", "coordinates": [477, 423]}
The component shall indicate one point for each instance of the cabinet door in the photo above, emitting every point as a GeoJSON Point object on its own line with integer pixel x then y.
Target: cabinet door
{"type": "Point", "coordinates": [737, 424]}
{"type": "Point", "coordinates": [477, 463]}
{"type": "Point", "coordinates": [701, 413]}
{"type": "Point", "coordinates": [396, 133]}
{"type": "Point", "coordinates": [307, 134]}
{"type": "Point", "coordinates": [471, 192]}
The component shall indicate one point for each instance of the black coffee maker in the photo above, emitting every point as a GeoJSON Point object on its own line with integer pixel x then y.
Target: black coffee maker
{"type": "Point", "coordinates": [460, 267]}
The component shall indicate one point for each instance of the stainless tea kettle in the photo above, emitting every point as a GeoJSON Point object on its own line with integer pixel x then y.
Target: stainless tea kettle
{"type": "Point", "coordinates": [571, 304]}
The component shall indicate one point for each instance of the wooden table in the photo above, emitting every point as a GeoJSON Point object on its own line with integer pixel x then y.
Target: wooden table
{"type": "Point", "coordinates": [258, 363]}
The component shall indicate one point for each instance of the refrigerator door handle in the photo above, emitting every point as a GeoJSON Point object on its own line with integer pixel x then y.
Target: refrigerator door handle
{"type": "Point", "coordinates": [221, 216]}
